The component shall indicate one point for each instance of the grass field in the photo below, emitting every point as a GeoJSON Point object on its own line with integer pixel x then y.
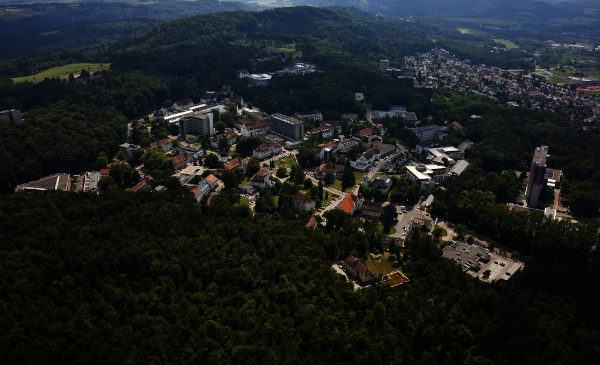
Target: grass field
{"type": "Point", "coordinates": [487, 21]}
{"type": "Point", "coordinates": [381, 230]}
{"type": "Point", "coordinates": [570, 21]}
{"type": "Point", "coordinates": [507, 43]}
{"type": "Point", "coordinates": [287, 162]}
{"type": "Point", "coordinates": [357, 176]}
{"type": "Point", "coordinates": [471, 31]}
{"type": "Point", "coordinates": [63, 71]}
{"type": "Point", "coordinates": [383, 266]}
{"type": "Point", "coordinates": [287, 51]}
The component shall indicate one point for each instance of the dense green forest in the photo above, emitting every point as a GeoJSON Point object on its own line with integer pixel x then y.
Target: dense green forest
{"type": "Point", "coordinates": [155, 278]}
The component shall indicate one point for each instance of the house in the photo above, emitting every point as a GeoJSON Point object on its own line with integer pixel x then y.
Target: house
{"type": "Point", "coordinates": [427, 203]}
{"type": "Point", "coordinates": [359, 96]}
{"type": "Point", "coordinates": [196, 152]}
{"type": "Point", "coordinates": [231, 137]}
{"type": "Point", "coordinates": [358, 268]}
{"type": "Point", "coordinates": [369, 156]}
{"type": "Point", "coordinates": [261, 179]}
{"type": "Point", "coordinates": [180, 161]}
{"type": "Point", "coordinates": [52, 182]}
{"type": "Point", "coordinates": [235, 163]}
{"type": "Point", "coordinates": [11, 114]}
{"type": "Point", "coordinates": [165, 144]}
{"type": "Point", "coordinates": [129, 149]}
{"type": "Point", "coordinates": [242, 73]}
{"type": "Point", "coordinates": [181, 104]}
{"type": "Point", "coordinates": [312, 223]}
{"type": "Point", "coordinates": [249, 127]}
{"type": "Point", "coordinates": [367, 133]}
{"type": "Point", "coordinates": [104, 172]}
{"type": "Point", "coordinates": [259, 79]}
{"type": "Point", "coordinates": [386, 149]}
{"type": "Point", "coordinates": [225, 90]}
{"type": "Point", "coordinates": [351, 203]}
{"type": "Point", "coordinates": [323, 131]}
{"type": "Point", "coordinates": [326, 149]}
{"type": "Point", "coordinates": [312, 115]}
{"type": "Point", "coordinates": [383, 183]}
{"type": "Point", "coordinates": [141, 127]}
{"type": "Point", "coordinates": [209, 97]}
{"type": "Point", "coordinates": [371, 208]}
{"type": "Point", "coordinates": [160, 114]}
{"type": "Point", "coordinates": [456, 125]}
{"type": "Point", "coordinates": [142, 185]}
{"type": "Point", "coordinates": [321, 171]}
{"type": "Point", "coordinates": [246, 189]}
{"type": "Point", "coordinates": [346, 145]}
{"type": "Point", "coordinates": [211, 180]}
{"type": "Point", "coordinates": [267, 149]}
{"type": "Point", "coordinates": [160, 189]}
{"type": "Point", "coordinates": [303, 202]}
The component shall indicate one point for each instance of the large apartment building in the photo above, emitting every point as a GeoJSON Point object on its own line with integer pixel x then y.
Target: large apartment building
{"type": "Point", "coordinates": [195, 127]}
{"type": "Point", "coordinates": [288, 127]}
{"type": "Point", "coordinates": [537, 172]}
{"type": "Point", "coordinates": [425, 176]}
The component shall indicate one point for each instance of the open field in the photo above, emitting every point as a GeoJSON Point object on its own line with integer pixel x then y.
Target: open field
{"type": "Point", "coordinates": [570, 21]}
{"type": "Point", "coordinates": [63, 71]}
{"type": "Point", "coordinates": [507, 43]}
{"type": "Point", "coordinates": [382, 266]}
{"type": "Point", "coordinates": [488, 21]}
{"type": "Point", "coordinates": [381, 230]}
{"type": "Point", "coordinates": [471, 31]}
{"type": "Point", "coordinates": [287, 162]}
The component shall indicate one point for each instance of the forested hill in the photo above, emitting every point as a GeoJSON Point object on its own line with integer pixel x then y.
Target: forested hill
{"type": "Point", "coordinates": [83, 30]}
{"type": "Point", "coordinates": [331, 37]}
{"type": "Point", "coordinates": [155, 278]}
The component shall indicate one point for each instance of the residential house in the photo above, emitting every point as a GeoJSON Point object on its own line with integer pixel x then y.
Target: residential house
{"type": "Point", "coordinates": [181, 104]}
{"type": "Point", "coordinates": [11, 114]}
{"type": "Point", "coordinates": [160, 114]}
{"type": "Point", "coordinates": [211, 180]}
{"type": "Point", "coordinates": [160, 189]}
{"type": "Point", "coordinates": [209, 97]}
{"type": "Point", "coordinates": [261, 179]}
{"type": "Point", "coordinates": [383, 183]}
{"type": "Point", "coordinates": [231, 137]}
{"type": "Point", "coordinates": [142, 185]}
{"type": "Point", "coordinates": [234, 100]}
{"type": "Point", "coordinates": [386, 149]}
{"type": "Point", "coordinates": [321, 171]}
{"type": "Point", "coordinates": [312, 223]}
{"type": "Point", "coordinates": [326, 149]}
{"type": "Point", "coordinates": [225, 90]}
{"type": "Point", "coordinates": [180, 161]}
{"type": "Point", "coordinates": [346, 145]}
{"type": "Point", "coordinates": [367, 133]}
{"type": "Point", "coordinates": [323, 131]}
{"type": "Point", "coordinates": [358, 269]}
{"type": "Point", "coordinates": [267, 149]}
{"type": "Point", "coordinates": [52, 182]}
{"type": "Point", "coordinates": [141, 127]}
{"type": "Point", "coordinates": [165, 144]}
{"type": "Point", "coordinates": [303, 202]}
{"type": "Point", "coordinates": [246, 189]}
{"type": "Point", "coordinates": [129, 149]}
{"type": "Point", "coordinates": [457, 125]}
{"type": "Point", "coordinates": [249, 127]}
{"type": "Point", "coordinates": [369, 156]}
{"type": "Point", "coordinates": [312, 115]}
{"type": "Point", "coordinates": [234, 163]}
{"type": "Point", "coordinates": [371, 208]}
{"type": "Point", "coordinates": [104, 172]}
{"type": "Point", "coordinates": [351, 203]}
{"type": "Point", "coordinates": [196, 152]}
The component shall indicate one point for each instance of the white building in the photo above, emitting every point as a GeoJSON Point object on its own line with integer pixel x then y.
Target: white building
{"type": "Point", "coordinates": [311, 114]}
{"type": "Point", "coordinates": [259, 79]}
{"type": "Point", "coordinates": [267, 149]}
{"type": "Point", "coordinates": [433, 133]}
{"type": "Point", "coordinates": [425, 176]}
{"type": "Point", "coordinates": [359, 96]}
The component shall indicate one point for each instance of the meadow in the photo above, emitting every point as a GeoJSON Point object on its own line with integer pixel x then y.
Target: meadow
{"type": "Point", "coordinates": [63, 71]}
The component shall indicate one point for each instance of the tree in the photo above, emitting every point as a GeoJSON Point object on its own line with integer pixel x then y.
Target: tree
{"type": "Point", "coordinates": [308, 184]}
{"type": "Point", "coordinates": [460, 231]}
{"type": "Point", "coordinates": [252, 167]}
{"type": "Point", "coordinates": [348, 179]}
{"type": "Point", "coordinates": [230, 179]}
{"type": "Point", "coordinates": [121, 156]}
{"type": "Point", "coordinates": [155, 159]}
{"type": "Point", "coordinates": [220, 126]}
{"type": "Point", "coordinates": [281, 172]}
{"type": "Point", "coordinates": [388, 215]}
{"type": "Point", "coordinates": [211, 161]}
{"type": "Point", "coordinates": [101, 161]}
{"type": "Point", "coordinates": [121, 173]}
{"type": "Point", "coordinates": [437, 233]}
{"type": "Point", "coordinates": [105, 182]}
{"type": "Point", "coordinates": [329, 177]}
{"type": "Point", "coordinates": [223, 145]}
{"type": "Point", "coordinates": [486, 275]}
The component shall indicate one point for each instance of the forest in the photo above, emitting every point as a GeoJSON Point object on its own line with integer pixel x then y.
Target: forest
{"type": "Point", "coordinates": [156, 278]}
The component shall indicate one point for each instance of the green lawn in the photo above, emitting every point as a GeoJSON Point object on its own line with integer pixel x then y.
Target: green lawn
{"type": "Point", "coordinates": [245, 201]}
{"type": "Point", "coordinates": [287, 162]}
{"type": "Point", "coordinates": [507, 43]}
{"type": "Point", "coordinates": [444, 231]}
{"type": "Point", "coordinates": [383, 266]}
{"type": "Point", "coordinates": [357, 176]}
{"type": "Point", "coordinates": [489, 21]}
{"type": "Point", "coordinates": [381, 230]}
{"type": "Point", "coordinates": [63, 71]}
{"type": "Point", "coordinates": [471, 31]}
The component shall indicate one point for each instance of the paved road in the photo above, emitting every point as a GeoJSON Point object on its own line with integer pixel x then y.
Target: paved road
{"type": "Point", "coordinates": [380, 164]}
{"type": "Point", "coordinates": [405, 218]}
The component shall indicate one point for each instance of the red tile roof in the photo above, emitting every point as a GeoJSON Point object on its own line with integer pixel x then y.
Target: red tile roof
{"type": "Point", "coordinates": [302, 199]}
{"type": "Point", "coordinates": [142, 184]}
{"type": "Point", "coordinates": [364, 133]}
{"type": "Point", "coordinates": [211, 179]}
{"type": "Point", "coordinates": [312, 223]}
{"type": "Point", "coordinates": [348, 204]}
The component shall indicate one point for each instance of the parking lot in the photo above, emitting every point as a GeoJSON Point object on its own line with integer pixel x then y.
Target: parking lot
{"type": "Point", "coordinates": [476, 260]}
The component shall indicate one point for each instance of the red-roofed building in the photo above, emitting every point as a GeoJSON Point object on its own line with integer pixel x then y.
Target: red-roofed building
{"type": "Point", "coordinates": [104, 172]}
{"type": "Point", "coordinates": [371, 155]}
{"type": "Point", "coordinates": [321, 171]}
{"type": "Point", "coordinates": [231, 137]}
{"type": "Point", "coordinates": [312, 223]}
{"type": "Point", "coordinates": [165, 144]}
{"type": "Point", "coordinates": [367, 133]}
{"type": "Point", "coordinates": [143, 184]}
{"type": "Point", "coordinates": [180, 161]}
{"type": "Point", "coordinates": [456, 125]}
{"type": "Point", "coordinates": [250, 128]}
{"type": "Point", "coordinates": [351, 203]}
{"type": "Point", "coordinates": [303, 202]}
{"type": "Point", "coordinates": [358, 268]}
{"type": "Point", "coordinates": [267, 149]}
{"type": "Point", "coordinates": [234, 163]}
{"type": "Point", "coordinates": [211, 180]}
{"type": "Point", "coordinates": [260, 179]}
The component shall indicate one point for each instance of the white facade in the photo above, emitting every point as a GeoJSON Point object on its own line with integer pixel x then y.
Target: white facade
{"type": "Point", "coordinates": [425, 176]}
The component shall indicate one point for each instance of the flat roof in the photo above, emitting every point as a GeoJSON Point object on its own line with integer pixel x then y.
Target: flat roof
{"type": "Point", "coordinates": [540, 154]}
{"type": "Point", "coordinates": [394, 279]}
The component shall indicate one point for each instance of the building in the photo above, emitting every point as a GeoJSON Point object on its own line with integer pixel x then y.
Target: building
{"type": "Point", "coordinates": [407, 80]}
{"type": "Point", "coordinates": [261, 179]}
{"type": "Point", "coordinates": [460, 167]}
{"type": "Point", "coordinates": [129, 149]}
{"type": "Point", "coordinates": [312, 223]}
{"type": "Point", "coordinates": [90, 182]}
{"type": "Point", "coordinates": [351, 203]}
{"type": "Point", "coordinates": [230, 136]}
{"type": "Point", "coordinates": [456, 125]}
{"type": "Point", "coordinates": [442, 156]}
{"type": "Point", "coordinates": [337, 170]}
{"type": "Point", "coordinates": [181, 104]}
{"type": "Point", "coordinates": [287, 127]}
{"type": "Point", "coordinates": [369, 156]}
{"type": "Point", "coordinates": [359, 96]}
{"type": "Point", "coordinates": [267, 150]}
{"type": "Point", "coordinates": [424, 90]}
{"type": "Point", "coordinates": [432, 133]}
{"type": "Point", "coordinates": [427, 203]}
{"type": "Point", "coordinates": [180, 161]}
{"type": "Point", "coordinates": [249, 127]}
{"type": "Point", "coordinates": [371, 208]}
{"type": "Point", "coordinates": [48, 183]}
{"type": "Point", "coordinates": [386, 149]}
{"type": "Point", "coordinates": [312, 115]}
{"type": "Point", "coordinates": [11, 114]}
{"type": "Point", "coordinates": [537, 173]}
{"type": "Point", "coordinates": [383, 183]}
{"type": "Point", "coordinates": [234, 163]}
{"type": "Point", "coordinates": [259, 79]}
{"type": "Point", "coordinates": [246, 189]}
{"type": "Point", "coordinates": [195, 127]}
{"type": "Point", "coordinates": [242, 73]}
{"type": "Point", "coordinates": [196, 152]}
{"type": "Point", "coordinates": [323, 131]}
{"type": "Point", "coordinates": [367, 133]}
{"type": "Point", "coordinates": [582, 82]}
{"type": "Point", "coordinates": [160, 114]}
{"type": "Point", "coordinates": [384, 65]}
{"type": "Point", "coordinates": [346, 145]}
{"type": "Point", "coordinates": [425, 176]}
{"type": "Point", "coordinates": [165, 144]}
{"type": "Point", "coordinates": [303, 202]}
{"type": "Point", "coordinates": [211, 180]}
{"type": "Point", "coordinates": [160, 189]}
{"type": "Point", "coordinates": [358, 269]}
{"type": "Point", "coordinates": [142, 185]}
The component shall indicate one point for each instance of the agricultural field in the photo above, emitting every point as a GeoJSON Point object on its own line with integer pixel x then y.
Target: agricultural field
{"type": "Point", "coordinates": [471, 31]}
{"type": "Point", "coordinates": [8, 15]}
{"type": "Point", "coordinates": [507, 43]}
{"type": "Point", "coordinates": [487, 21]}
{"type": "Point", "coordinates": [570, 21]}
{"type": "Point", "coordinates": [63, 71]}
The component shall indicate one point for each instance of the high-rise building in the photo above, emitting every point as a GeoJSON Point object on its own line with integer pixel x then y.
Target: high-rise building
{"type": "Point", "coordinates": [288, 127]}
{"type": "Point", "coordinates": [537, 173]}
{"type": "Point", "coordinates": [384, 65]}
{"type": "Point", "coordinates": [11, 114]}
{"type": "Point", "coordinates": [195, 127]}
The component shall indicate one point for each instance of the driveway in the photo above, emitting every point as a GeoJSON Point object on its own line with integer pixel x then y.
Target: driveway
{"type": "Point", "coordinates": [337, 269]}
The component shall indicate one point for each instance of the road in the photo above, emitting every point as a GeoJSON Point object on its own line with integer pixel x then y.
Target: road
{"type": "Point", "coordinates": [405, 218]}
{"type": "Point", "coordinates": [380, 164]}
